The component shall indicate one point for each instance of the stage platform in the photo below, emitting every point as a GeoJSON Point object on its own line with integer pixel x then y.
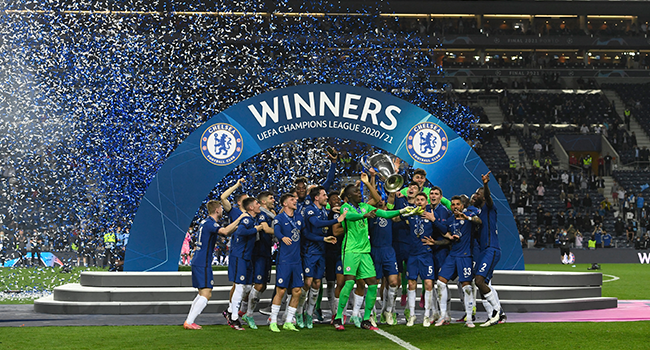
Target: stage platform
{"type": "Point", "coordinates": [172, 293]}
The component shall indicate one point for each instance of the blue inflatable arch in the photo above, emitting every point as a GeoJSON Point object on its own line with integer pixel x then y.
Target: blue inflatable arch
{"type": "Point", "coordinates": [270, 119]}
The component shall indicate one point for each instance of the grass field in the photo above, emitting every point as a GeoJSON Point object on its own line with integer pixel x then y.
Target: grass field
{"type": "Point", "coordinates": [632, 283]}
{"type": "Point", "coordinates": [518, 336]}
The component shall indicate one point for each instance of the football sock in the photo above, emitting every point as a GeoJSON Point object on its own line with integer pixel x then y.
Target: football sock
{"type": "Point", "coordinates": [198, 305]}
{"type": "Point", "coordinates": [496, 295]}
{"type": "Point", "coordinates": [311, 304]}
{"type": "Point", "coordinates": [411, 301]}
{"type": "Point", "coordinates": [492, 300]}
{"type": "Point", "coordinates": [390, 299]}
{"type": "Point", "coordinates": [252, 302]}
{"type": "Point", "coordinates": [230, 306]}
{"type": "Point", "coordinates": [275, 310]}
{"type": "Point", "coordinates": [428, 295]}
{"type": "Point", "coordinates": [371, 298]}
{"type": "Point", "coordinates": [460, 292]}
{"type": "Point", "coordinates": [344, 297]}
{"type": "Point", "coordinates": [487, 306]}
{"type": "Point", "coordinates": [469, 301]}
{"type": "Point", "coordinates": [301, 301]}
{"type": "Point", "coordinates": [331, 296]}
{"type": "Point", "coordinates": [443, 291]}
{"type": "Point", "coordinates": [384, 296]}
{"type": "Point", "coordinates": [319, 298]}
{"type": "Point", "coordinates": [236, 301]}
{"type": "Point", "coordinates": [358, 302]}
{"type": "Point", "coordinates": [291, 311]}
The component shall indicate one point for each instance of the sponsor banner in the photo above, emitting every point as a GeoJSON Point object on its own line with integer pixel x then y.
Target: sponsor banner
{"type": "Point", "coordinates": [273, 118]}
{"type": "Point", "coordinates": [583, 256]}
{"type": "Point", "coordinates": [529, 41]}
{"type": "Point", "coordinates": [514, 72]}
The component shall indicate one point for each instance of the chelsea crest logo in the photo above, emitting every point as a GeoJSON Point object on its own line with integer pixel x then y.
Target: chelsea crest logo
{"type": "Point", "coordinates": [221, 144]}
{"type": "Point", "coordinates": [427, 143]}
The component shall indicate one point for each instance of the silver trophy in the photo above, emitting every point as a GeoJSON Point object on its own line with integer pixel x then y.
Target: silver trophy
{"type": "Point", "coordinates": [386, 170]}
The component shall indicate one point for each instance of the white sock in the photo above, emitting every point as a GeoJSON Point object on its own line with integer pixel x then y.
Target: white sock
{"type": "Point", "coordinates": [434, 300]}
{"type": "Point", "coordinates": [474, 290]}
{"type": "Point", "coordinates": [236, 301]}
{"type": "Point", "coordinates": [486, 305]}
{"type": "Point", "coordinates": [301, 302]}
{"type": "Point", "coordinates": [199, 303]}
{"type": "Point", "coordinates": [311, 304]}
{"type": "Point", "coordinates": [469, 301]}
{"type": "Point", "coordinates": [492, 300]}
{"type": "Point", "coordinates": [358, 303]}
{"type": "Point", "coordinates": [252, 302]}
{"type": "Point", "coordinates": [428, 295]}
{"type": "Point", "coordinates": [230, 306]}
{"type": "Point", "coordinates": [291, 311]}
{"type": "Point", "coordinates": [443, 291]}
{"type": "Point", "coordinates": [411, 301]}
{"type": "Point", "coordinates": [460, 292]}
{"type": "Point", "coordinates": [496, 295]}
{"type": "Point", "coordinates": [275, 310]}
{"type": "Point", "coordinates": [390, 299]}
{"type": "Point", "coordinates": [331, 298]}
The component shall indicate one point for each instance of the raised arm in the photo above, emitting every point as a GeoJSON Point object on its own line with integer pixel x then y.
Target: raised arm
{"type": "Point", "coordinates": [227, 206]}
{"type": "Point", "coordinates": [486, 190]}
{"type": "Point", "coordinates": [226, 231]}
{"type": "Point", "coordinates": [376, 198]}
{"type": "Point", "coordinates": [331, 173]}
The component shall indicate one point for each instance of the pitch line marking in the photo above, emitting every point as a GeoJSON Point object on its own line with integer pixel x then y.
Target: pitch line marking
{"type": "Point", "coordinates": [397, 340]}
{"type": "Point", "coordinates": [613, 278]}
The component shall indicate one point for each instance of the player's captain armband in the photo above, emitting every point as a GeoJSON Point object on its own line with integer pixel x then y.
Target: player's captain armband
{"type": "Point", "coordinates": [390, 206]}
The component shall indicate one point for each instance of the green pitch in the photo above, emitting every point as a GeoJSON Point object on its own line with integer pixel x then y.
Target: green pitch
{"type": "Point", "coordinates": [627, 335]}
{"type": "Point", "coordinates": [632, 283]}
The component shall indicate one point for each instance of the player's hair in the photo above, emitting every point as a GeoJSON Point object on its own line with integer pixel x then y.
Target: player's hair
{"type": "Point", "coordinates": [248, 201]}
{"type": "Point", "coordinates": [413, 183]}
{"type": "Point", "coordinates": [315, 191]}
{"type": "Point", "coordinates": [264, 195]}
{"type": "Point", "coordinates": [422, 194]}
{"type": "Point", "coordinates": [212, 206]}
{"type": "Point", "coordinates": [464, 199]}
{"type": "Point", "coordinates": [420, 171]}
{"type": "Point", "coordinates": [293, 190]}
{"type": "Point", "coordinates": [300, 180]}
{"type": "Point", "coordinates": [333, 193]}
{"type": "Point", "coordinates": [284, 197]}
{"type": "Point", "coordinates": [437, 189]}
{"type": "Point", "coordinates": [458, 198]}
{"type": "Point", "coordinates": [239, 197]}
{"type": "Point", "coordinates": [348, 190]}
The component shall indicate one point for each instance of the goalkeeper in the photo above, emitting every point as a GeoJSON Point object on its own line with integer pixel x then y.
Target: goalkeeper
{"type": "Point", "coordinates": [357, 262]}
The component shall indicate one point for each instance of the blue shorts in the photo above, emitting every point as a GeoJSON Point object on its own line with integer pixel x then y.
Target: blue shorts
{"type": "Point", "coordinates": [240, 271]}
{"type": "Point", "coordinates": [333, 266]}
{"type": "Point", "coordinates": [261, 270]}
{"type": "Point", "coordinates": [460, 267]}
{"type": "Point", "coordinates": [289, 276]}
{"type": "Point", "coordinates": [420, 265]}
{"type": "Point", "coordinates": [385, 261]}
{"type": "Point", "coordinates": [202, 277]}
{"type": "Point", "coordinates": [486, 263]}
{"type": "Point", "coordinates": [400, 256]}
{"type": "Point", "coordinates": [439, 257]}
{"type": "Point", "coordinates": [314, 265]}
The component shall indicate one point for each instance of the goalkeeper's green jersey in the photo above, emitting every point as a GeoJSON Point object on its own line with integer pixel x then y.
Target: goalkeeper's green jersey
{"type": "Point", "coordinates": [356, 226]}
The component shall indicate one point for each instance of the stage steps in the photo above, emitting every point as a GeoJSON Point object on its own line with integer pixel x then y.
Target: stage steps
{"type": "Point", "coordinates": [172, 293]}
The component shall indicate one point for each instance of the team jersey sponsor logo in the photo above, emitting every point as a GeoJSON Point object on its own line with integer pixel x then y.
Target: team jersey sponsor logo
{"type": "Point", "coordinates": [221, 144]}
{"type": "Point", "coordinates": [427, 143]}
{"type": "Point", "coordinates": [295, 235]}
